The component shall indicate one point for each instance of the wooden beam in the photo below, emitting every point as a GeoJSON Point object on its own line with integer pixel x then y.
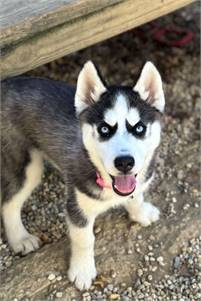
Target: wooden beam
{"type": "Point", "coordinates": [23, 19]}
{"type": "Point", "coordinates": [82, 32]}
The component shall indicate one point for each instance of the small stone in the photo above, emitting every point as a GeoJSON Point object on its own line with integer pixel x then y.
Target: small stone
{"type": "Point", "coordinates": [140, 272]}
{"type": "Point", "coordinates": [160, 260]}
{"type": "Point", "coordinates": [171, 208]}
{"type": "Point", "coordinates": [180, 174]}
{"type": "Point", "coordinates": [59, 294]}
{"type": "Point", "coordinates": [51, 277]}
{"type": "Point", "coordinates": [85, 295]}
{"type": "Point", "coordinates": [146, 283]}
{"type": "Point", "coordinates": [110, 287]}
{"type": "Point", "coordinates": [61, 214]}
{"type": "Point", "coordinates": [114, 297]}
{"type": "Point", "coordinates": [59, 278]}
{"type": "Point", "coordinates": [185, 207]}
{"type": "Point", "coordinates": [130, 251]}
{"type": "Point", "coordinates": [34, 207]}
{"type": "Point", "coordinates": [154, 268]}
{"type": "Point", "coordinates": [125, 298]}
{"type": "Point", "coordinates": [114, 275]}
{"type": "Point", "coordinates": [97, 230]}
{"type": "Point", "coordinates": [174, 200]}
{"type": "Point", "coordinates": [177, 262]}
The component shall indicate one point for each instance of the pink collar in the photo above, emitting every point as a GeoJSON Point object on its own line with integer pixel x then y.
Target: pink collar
{"type": "Point", "coordinates": [101, 182]}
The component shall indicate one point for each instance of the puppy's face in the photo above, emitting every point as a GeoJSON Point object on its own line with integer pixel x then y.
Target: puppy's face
{"type": "Point", "coordinates": [120, 129]}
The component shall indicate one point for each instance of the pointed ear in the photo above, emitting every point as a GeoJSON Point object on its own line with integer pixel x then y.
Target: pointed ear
{"type": "Point", "coordinates": [89, 87]}
{"type": "Point", "coordinates": [150, 88]}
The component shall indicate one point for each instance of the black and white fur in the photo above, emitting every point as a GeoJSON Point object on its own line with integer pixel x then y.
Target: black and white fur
{"type": "Point", "coordinates": [44, 119]}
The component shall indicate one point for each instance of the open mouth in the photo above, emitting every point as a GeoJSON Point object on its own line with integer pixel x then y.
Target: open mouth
{"type": "Point", "coordinates": [124, 184]}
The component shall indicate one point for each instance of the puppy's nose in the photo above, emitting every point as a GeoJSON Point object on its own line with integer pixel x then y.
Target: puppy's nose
{"type": "Point", "coordinates": [124, 163]}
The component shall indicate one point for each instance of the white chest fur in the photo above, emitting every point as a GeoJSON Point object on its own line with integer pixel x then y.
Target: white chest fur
{"type": "Point", "coordinates": [93, 207]}
{"type": "Point", "coordinates": [109, 199]}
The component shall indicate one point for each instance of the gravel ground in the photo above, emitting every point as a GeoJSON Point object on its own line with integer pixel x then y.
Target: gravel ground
{"type": "Point", "coordinates": [119, 59]}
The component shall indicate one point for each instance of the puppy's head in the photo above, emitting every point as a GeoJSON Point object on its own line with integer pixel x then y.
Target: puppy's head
{"type": "Point", "coordinates": [120, 125]}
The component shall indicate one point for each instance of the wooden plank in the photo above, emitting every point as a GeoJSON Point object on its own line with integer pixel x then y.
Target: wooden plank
{"type": "Point", "coordinates": [83, 32]}
{"type": "Point", "coordinates": [22, 19]}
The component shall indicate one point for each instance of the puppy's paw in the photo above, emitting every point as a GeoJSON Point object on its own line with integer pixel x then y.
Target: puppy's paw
{"type": "Point", "coordinates": [146, 214]}
{"type": "Point", "coordinates": [26, 244]}
{"type": "Point", "coordinates": [82, 273]}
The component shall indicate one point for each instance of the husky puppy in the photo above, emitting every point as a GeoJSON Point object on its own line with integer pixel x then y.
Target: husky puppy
{"type": "Point", "coordinates": [102, 139]}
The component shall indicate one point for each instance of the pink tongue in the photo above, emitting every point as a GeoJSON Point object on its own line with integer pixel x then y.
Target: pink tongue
{"type": "Point", "coordinates": [125, 184]}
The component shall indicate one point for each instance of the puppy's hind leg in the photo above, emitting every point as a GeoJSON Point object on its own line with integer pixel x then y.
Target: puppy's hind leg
{"type": "Point", "coordinates": [18, 237]}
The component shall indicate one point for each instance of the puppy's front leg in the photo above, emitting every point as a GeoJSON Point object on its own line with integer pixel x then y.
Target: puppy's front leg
{"type": "Point", "coordinates": [142, 212]}
{"type": "Point", "coordinates": [82, 265]}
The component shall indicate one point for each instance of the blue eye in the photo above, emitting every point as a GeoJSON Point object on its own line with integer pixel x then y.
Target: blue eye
{"type": "Point", "coordinates": [104, 130]}
{"type": "Point", "coordinates": [139, 129]}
